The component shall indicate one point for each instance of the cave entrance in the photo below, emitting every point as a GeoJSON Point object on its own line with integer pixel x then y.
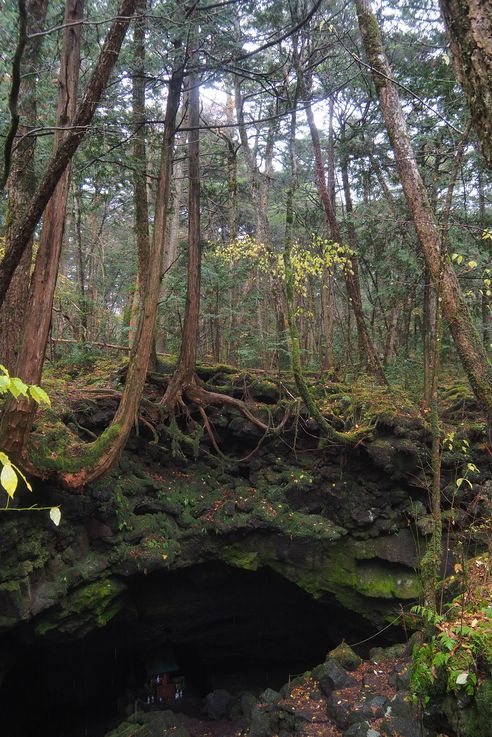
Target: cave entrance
{"type": "Point", "coordinates": [211, 626]}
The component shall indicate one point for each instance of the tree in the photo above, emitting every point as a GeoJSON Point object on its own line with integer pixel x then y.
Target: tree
{"type": "Point", "coordinates": [469, 25]}
{"type": "Point", "coordinates": [67, 147]}
{"type": "Point", "coordinates": [17, 417]}
{"type": "Point", "coordinates": [467, 341]}
{"type": "Point", "coordinates": [21, 181]}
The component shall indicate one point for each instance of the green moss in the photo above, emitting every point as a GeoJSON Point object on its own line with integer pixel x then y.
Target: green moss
{"type": "Point", "coordinates": [344, 655]}
{"type": "Point", "coordinates": [376, 580]}
{"type": "Point", "coordinates": [475, 720]}
{"type": "Point", "coordinates": [236, 557]}
{"type": "Point", "coordinates": [11, 586]}
{"type": "Point", "coordinates": [330, 568]}
{"type": "Point", "coordinates": [93, 605]}
{"type": "Point", "coordinates": [56, 449]}
{"type": "Point", "coordinates": [481, 720]}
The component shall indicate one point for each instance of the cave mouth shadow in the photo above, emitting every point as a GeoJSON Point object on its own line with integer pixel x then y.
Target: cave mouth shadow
{"type": "Point", "coordinates": [223, 627]}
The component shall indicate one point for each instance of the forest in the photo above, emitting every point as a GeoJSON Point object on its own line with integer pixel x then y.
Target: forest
{"type": "Point", "coordinates": [246, 326]}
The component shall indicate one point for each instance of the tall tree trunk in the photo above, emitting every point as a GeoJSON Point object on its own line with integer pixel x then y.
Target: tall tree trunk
{"type": "Point", "coordinates": [81, 268]}
{"type": "Point", "coordinates": [367, 351]}
{"type": "Point", "coordinates": [98, 457]}
{"type": "Point", "coordinates": [170, 253]}
{"type": "Point", "coordinates": [469, 25]}
{"type": "Point", "coordinates": [185, 374]}
{"type": "Point", "coordinates": [18, 416]}
{"type": "Point", "coordinates": [68, 146]}
{"type": "Point", "coordinates": [428, 338]}
{"type": "Point", "coordinates": [486, 299]}
{"type": "Point", "coordinates": [352, 281]}
{"type": "Point", "coordinates": [21, 185]}
{"type": "Point", "coordinates": [467, 341]}
{"type": "Point", "coordinates": [140, 163]}
{"type": "Point", "coordinates": [389, 348]}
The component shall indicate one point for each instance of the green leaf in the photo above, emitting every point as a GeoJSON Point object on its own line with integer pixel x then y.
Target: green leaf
{"type": "Point", "coordinates": [39, 395]}
{"type": "Point", "coordinates": [4, 384]}
{"type": "Point", "coordinates": [8, 479]}
{"type": "Point", "coordinates": [18, 387]}
{"type": "Point", "coordinates": [55, 515]}
{"type": "Point", "coordinates": [2, 368]}
{"type": "Point", "coordinates": [462, 678]}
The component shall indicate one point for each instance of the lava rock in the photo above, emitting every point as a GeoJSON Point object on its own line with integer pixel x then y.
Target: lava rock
{"type": "Point", "coordinates": [368, 708]}
{"type": "Point", "coordinates": [341, 712]}
{"type": "Point", "coordinates": [263, 722]}
{"type": "Point", "coordinates": [401, 706]}
{"type": "Point", "coordinates": [332, 677]}
{"type": "Point", "coordinates": [402, 678]}
{"type": "Point", "coordinates": [218, 704]}
{"type": "Point", "coordinates": [269, 696]}
{"type": "Point", "coordinates": [362, 729]}
{"type": "Point", "coordinates": [247, 701]}
{"type": "Point", "coordinates": [401, 718]}
{"type": "Point", "coordinates": [400, 727]}
{"type": "Point", "coordinates": [147, 506]}
{"type": "Point", "coordinates": [345, 656]}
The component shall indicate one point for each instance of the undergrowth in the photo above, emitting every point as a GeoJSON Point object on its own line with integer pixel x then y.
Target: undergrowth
{"type": "Point", "coordinates": [456, 657]}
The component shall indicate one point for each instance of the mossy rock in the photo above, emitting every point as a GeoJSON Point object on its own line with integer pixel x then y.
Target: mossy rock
{"type": "Point", "coordinates": [349, 570]}
{"type": "Point", "coordinates": [84, 609]}
{"type": "Point", "coordinates": [345, 656]}
{"type": "Point", "coordinates": [475, 720]}
{"type": "Point", "coordinates": [377, 580]}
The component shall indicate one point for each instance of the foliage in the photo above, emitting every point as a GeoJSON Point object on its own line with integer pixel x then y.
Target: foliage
{"type": "Point", "coordinates": [457, 656]}
{"type": "Point", "coordinates": [306, 261]}
{"type": "Point", "coordinates": [9, 476]}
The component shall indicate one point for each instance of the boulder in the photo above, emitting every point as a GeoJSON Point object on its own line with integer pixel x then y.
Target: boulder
{"type": "Point", "coordinates": [269, 696]}
{"type": "Point", "coordinates": [218, 704]}
{"type": "Point", "coordinates": [332, 677]}
{"type": "Point", "coordinates": [341, 712]}
{"type": "Point", "coordinates": [362, 729]}
{"type": "Point", "coordinates": [345, 656]}
{"type": "Point", "coordinates": [263, 722]}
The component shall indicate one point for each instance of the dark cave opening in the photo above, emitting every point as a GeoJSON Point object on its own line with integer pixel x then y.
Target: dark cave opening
{"type": "Point", "coordinates": [223, 626]}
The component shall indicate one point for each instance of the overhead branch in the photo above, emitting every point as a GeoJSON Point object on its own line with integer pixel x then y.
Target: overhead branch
{"type": "Point", "coordinates": [14, 93]}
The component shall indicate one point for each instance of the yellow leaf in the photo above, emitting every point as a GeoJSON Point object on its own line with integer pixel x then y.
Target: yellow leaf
{"type": "Point", "coordinates": [8, 479]}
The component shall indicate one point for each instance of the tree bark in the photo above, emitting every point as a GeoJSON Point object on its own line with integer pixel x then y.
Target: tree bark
{"type": "Point", "coordinates": [469, 25]}
{"type": "Point", "coordinates": [21, 186]}
{"type": "Point", "coordinates": [107, 448]}
{"type": "Point", "coordinates": [466, 338]}
{"type": "Point", "coordinates": [140, 163]}
{"type": "Point", "coordinates": [68, 146]}
{"type": "Point", "coordinates": [367, 351]}
{"type": "Point", "coordinates": [185, 374]}
{"type": "Point", "coordinates": [486, 305]}
{"type": "Point", "coordinates": [18, 415]}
